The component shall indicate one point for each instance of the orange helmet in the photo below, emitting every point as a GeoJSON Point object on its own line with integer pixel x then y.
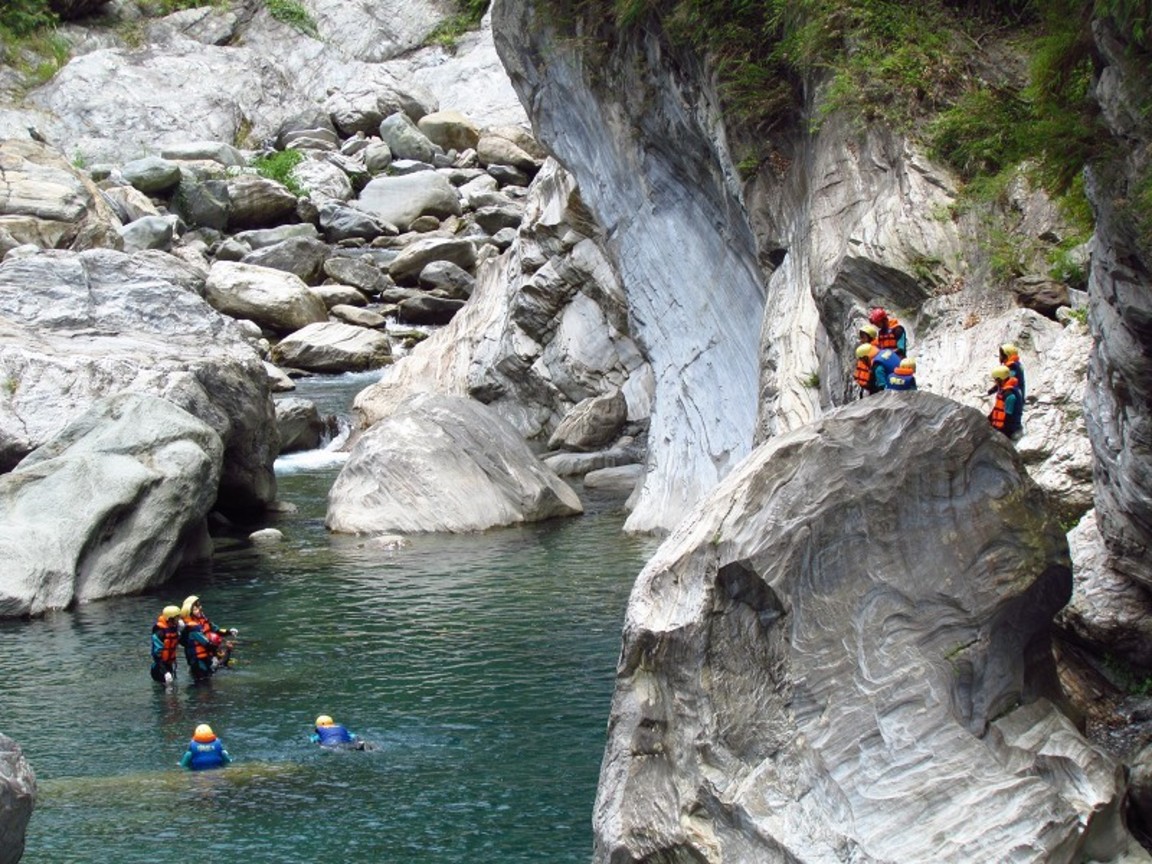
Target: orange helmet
{"type": "Point", "coordinates": [204, 734]}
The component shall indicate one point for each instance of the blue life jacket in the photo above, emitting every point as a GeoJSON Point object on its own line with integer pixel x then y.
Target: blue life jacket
{"type": "Point", "coordinates": [209, 755]}
{"type": "Point", "coordinates": [883, 365]}
{"type": "Point", "coordinates": [901, 381]}
{"type": "Point", "coordinates": [331, 736]}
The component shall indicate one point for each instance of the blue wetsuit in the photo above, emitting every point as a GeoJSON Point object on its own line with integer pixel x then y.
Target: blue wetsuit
{"type": "Point", "coordinates": [203, 755]}
{"type": "Point", "coordinates": [333, 736]}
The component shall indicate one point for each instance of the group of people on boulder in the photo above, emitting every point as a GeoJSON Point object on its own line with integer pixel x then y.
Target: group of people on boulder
{"type": "Point", "coordinates": [205, 648]}
{"type": "Point", "coordinates": [882, 363]}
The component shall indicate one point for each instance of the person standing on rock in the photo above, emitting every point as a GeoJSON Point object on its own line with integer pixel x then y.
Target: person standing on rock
{"type": "Point", "coordinates": [865, 374]}
{"type": "Point", "coordinates": [884, 363]}
{"type": "Point", "coordinates": [890, 332]}
{"type": "Point", "coordinates": [202, 640]}
{"type": "Point", "coordinates": [1010, 357]}
{"type": "Point", "coordinates": [1007, 414]}
{"type": "Point", "coordinates": [904, 378]}
{"type": "Point", "coordinates": [165, 638]}
{"type": "Point", "coordinates": [867, 334]}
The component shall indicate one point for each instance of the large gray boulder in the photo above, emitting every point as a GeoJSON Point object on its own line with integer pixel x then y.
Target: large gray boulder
{"type": "Point", "coordinates": [17, 797]}
{"type": "Point", "coordinates": [443, 463]}
{"type": "Point", "coordinates": [111, 505]}
{"type": "Point", "coordinates": [401, 200]}
{"type": "Point", "coordinates": [75, 328]}
{"type": "Point", "coordinates": [274, 299]}
{"type": "Point", "coordinates": [333, 346]}
{"type": "Point", "coordinates": [844, 652]}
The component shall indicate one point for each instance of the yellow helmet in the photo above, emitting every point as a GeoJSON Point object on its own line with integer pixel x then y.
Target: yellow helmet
{"type": "Point", "coordinates": [866, 350]}
{"type": "Point", "coordinates": [189, 601]}
{"type": "Point", "coordinates": [870, 330]}
{"type": "Point", "coordinates": [907, 363]}
{"type": "Point", "coordinates": [325, 720]}
{"type": "Point", "coordinates": [204, 734]}
{"type": "Point", "coordinates": [1001, 373]}
{"type": "Point", "coordinates": [171, 612]}
{"type": "Point", "coordinates": [1008, 349]}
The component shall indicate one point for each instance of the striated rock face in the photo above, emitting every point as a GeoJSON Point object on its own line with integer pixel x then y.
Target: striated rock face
{"type": "Point", "coordinates": [17, 795]}
{"type": "Point", "coordinates": [44, 201]}
{"type": "Point", "coordinates": [648, 155]}
{"type": "Point", "coordinates": [843, 654]}
{"type": "Point", "coordinates": [443, 463]}
{"type": "Point", "coordinates": [1118, 400]}
{"type": "Point", "coordinates": [79, 327]}
{"type": "Point", "coordinates": [135, 477]}
{"type": "Point", "coordinates": [546, 326]}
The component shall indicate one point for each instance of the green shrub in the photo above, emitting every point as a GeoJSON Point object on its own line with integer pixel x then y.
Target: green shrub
{"type": "Point", "coordinates": [278, 166]}
{"type": "Point", "coordinates": [468, 15]}
{"type": "Point", "coordinates": [294, 14]}
{"type": "Point", "coordinates": [20, 18]}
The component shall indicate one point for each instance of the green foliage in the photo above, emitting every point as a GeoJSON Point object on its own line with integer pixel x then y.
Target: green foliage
{"type": "Point", "coordinates": [1125, 677]}
{"type": "Point", "coordinates": [292, 13]}
{"type": "Point", "coordinates": [811, 380]}
{"type": "Point", "coordinates": [278, 166]}
{"type": "Point", "coordinates": [21, 18]}
{"type": "Point", "coordinates": [1080, 315]}
{"type": "Point", "coordinates": [167, 7]}
{"type": "Point", "coordinates": [468, 15]}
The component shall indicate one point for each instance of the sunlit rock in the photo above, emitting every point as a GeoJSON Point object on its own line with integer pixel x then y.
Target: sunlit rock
{"type": "Point", "coordinates": [832, 653]}
{"type": "Point", "coordinates": [443, 463]}
{"type": "Point", "coordinates": [111, 505]}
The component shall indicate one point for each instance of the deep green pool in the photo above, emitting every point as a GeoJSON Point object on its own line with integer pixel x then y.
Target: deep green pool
{"type": "Point", "coordinates": [480, 665]}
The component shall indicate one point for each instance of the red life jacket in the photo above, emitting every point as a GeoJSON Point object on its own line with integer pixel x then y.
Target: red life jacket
{"type": "Point", "coordinates": [171, 635]}
{"type": "Point", "coordinates": [889, 335]}
{"type": "Point", "coordinates": [999, 416]}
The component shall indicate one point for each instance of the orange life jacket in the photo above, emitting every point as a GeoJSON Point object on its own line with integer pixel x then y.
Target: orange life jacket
{"type": "Point", "coordinates": [191, 623]}
{"type": "Point", "coordinates": [171, 636]}
{"type": "Point", "coordinates": [999, 415]}
{"type": "Point", "coordinates": [864, 373]}
{"type": "Point", "coordinates": [888, 337]}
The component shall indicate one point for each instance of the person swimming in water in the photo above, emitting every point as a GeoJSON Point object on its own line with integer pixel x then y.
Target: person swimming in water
{"type": "Point", "coordinates": [204, 751]}
{"type": "Point", "coordinates": [332, 735]}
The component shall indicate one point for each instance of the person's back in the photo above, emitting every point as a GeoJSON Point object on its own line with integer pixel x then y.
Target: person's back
{"type": "Point", "coordinates": [904, 377]}
{"type": "Point", "coordinates": [883, 365]}
{"type": "Point", "coordinates": [204, 751]}
{"type": "Point", "coordinates": [328, 733]}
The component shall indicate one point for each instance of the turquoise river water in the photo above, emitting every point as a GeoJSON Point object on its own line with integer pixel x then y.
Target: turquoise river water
{"type": "Point", "coordinates": [481, 666]}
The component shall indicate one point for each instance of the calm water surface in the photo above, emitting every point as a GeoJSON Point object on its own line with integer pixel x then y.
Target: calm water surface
{"type": "Point", "coordinates": [480, 666]}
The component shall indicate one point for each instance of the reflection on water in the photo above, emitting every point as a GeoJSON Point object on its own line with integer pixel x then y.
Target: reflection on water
{"type": "Point", "coordinates": [481, 666]}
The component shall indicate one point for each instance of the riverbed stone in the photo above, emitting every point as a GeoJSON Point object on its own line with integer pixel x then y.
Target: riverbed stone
{"type": "Point", "coordinates": [274, 299]}
{"type": "Point", "coordinates": [443, 463]}
{"type": "Point", "coordinates": [333, 346]}
{"type": "Point", "coordinates": [300, 424]}
{"type": "Point", "coordinates": [402, 199]}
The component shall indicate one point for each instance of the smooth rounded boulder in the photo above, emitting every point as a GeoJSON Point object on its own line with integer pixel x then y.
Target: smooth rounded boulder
{"type": "Point", "coordinates": [17, 798]}
{"type": "Point", "coordinates": [443, 464]}
{"type": "Point", "coordinates": [274, 299]}
{"type": "Point", "coordinates": [111, 505]}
